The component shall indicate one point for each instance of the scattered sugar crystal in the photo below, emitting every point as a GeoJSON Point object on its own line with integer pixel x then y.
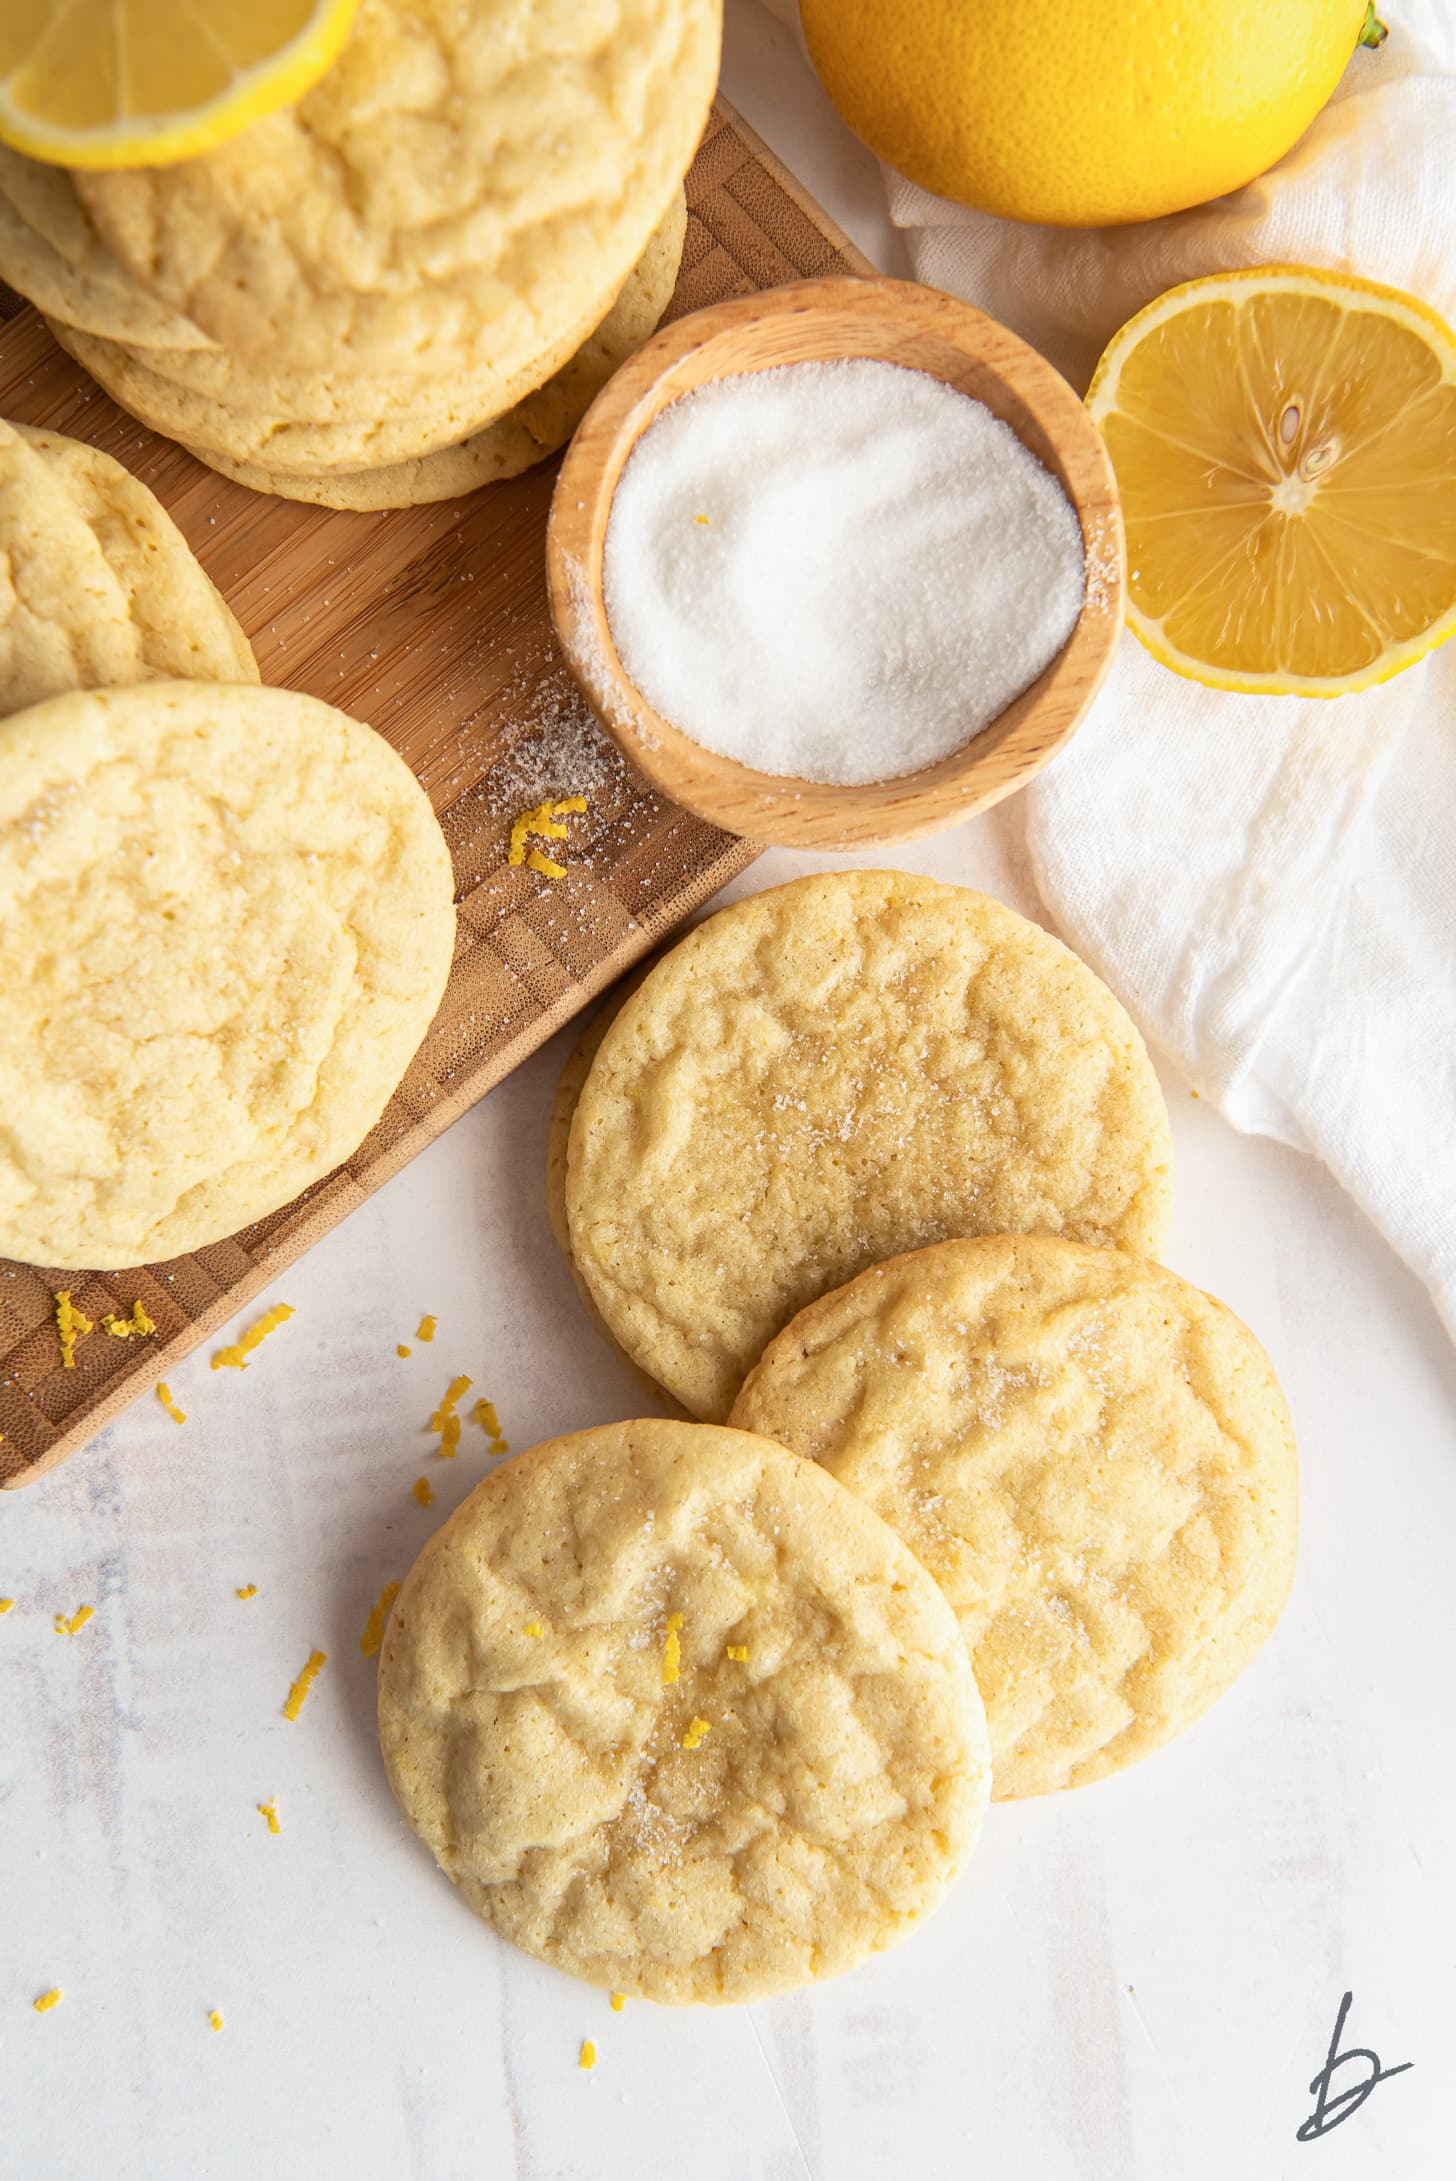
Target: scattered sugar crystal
{"type": "Point", "coordinates": [837, 571]}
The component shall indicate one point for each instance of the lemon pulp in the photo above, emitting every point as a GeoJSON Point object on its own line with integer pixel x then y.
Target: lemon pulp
{"type": "Point", "coordinates": [1285, 447]}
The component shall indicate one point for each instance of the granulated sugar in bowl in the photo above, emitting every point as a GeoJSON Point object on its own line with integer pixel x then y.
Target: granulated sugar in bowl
{"type": "Point", "coordinates": [837, 571]}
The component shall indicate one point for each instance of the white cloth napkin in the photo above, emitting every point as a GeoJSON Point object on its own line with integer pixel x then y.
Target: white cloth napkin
{"type": "Point", "coordinates": [1268, 883]}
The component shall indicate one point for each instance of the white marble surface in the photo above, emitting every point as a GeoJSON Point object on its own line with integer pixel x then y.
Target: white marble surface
{"type": "Point", "coordinates": [1132, 1983]}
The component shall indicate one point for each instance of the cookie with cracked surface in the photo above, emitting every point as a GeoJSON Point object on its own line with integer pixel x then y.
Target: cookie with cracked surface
{"type": "Point", "coordinates": [825, 1074]}
{"type": "Point", "coordinates": [534, 428]}
{"type": "Point", "coordinates": [678, 1714]}
{"type": "Point", "coordinates": [1093, 1460]}
{"type": "Point", "coordinates": [98, 586]}
{"type": "Point", "coordinates": [469, 180]}
{"type": "Point", "coordinates": [226, 920]}
{"type": "Point", "coordinates": [286, 422]}
{"type": "Point", "coordinates": [51, 254]}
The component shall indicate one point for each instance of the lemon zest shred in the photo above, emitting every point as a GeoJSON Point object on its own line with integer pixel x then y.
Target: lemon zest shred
{"type": "Point", "coordinates": [47, 2000]}
{"type": "Point", "coordinates": [490, 1424]}
{"type": "Point", "coordinates": [298, 1694]}
{"type": "Point", "coordinates": [544, 822]}
{"type": "Point", "coordinates": [425, 1330]}
{"type": "Point", "coordinates": [445, 1421]}
{"type": "Point", "coordinates": [214, 2020]}
{"type": "Point", "coordinates": [619, 2001]}
{"type": "Point", "coordinates": [164, 1395]}
{"type": "Point", "coordinates": [533, 1628]}
{"type": "Point", "coordinates": [6, 1604]}
{"type": "Point", "coordinates": [401, 1350]}
{"type": "Point", "coordinates": [588, 2055]}
{"type": "Point", "coordinates": [236, 1357]}
{"type": "Point", "coordinates": [671, 1650]}
{"type": "Point", "coordinates": [77, 1620]}
{"type": "Point", "coordinates": [423, 1491]}
{"type": "Point", "coordinates": [738, 1651]}
{"type": "Point", "coordinates": [373, 1635]}
{"type": "Point", "coordinates": [698, 1731]}
{"type": "Point", "coordinates": [249, 1590]}
{"type": "Point", "coordinates": [71, 1325]}
{"type": "Point", "coordinates": [700, 518]}
{"type": "Point", "coordinates": [269, 1812]}
{"type": "Point", "coordinates": [123, 1328]}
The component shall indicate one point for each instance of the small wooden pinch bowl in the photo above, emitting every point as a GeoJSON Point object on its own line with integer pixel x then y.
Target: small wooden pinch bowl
{"type": "Point", "coordinates": [808, 321]}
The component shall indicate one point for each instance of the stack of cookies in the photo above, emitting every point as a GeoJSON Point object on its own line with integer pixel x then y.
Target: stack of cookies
{"type": "Point", "coordinates": [871, 1171]}
{"type": "Point", "coordinates": [409, 284]}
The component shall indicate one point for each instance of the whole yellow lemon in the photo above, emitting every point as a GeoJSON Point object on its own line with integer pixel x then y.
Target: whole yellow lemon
{"type": "Point", "coordinates": [1081, 113]}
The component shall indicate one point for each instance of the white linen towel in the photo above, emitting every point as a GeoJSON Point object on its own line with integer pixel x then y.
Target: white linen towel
{"type": "Point", "coordinates": [1269, 884]}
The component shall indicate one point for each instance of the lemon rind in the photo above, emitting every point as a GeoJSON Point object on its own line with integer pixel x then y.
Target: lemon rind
{"type": "Point", "coordinates": [156, 141]}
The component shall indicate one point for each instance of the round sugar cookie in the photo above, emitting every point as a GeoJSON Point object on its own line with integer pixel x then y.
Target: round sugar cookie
{"type": "Point", "coordinates": [98, 587]}
{"type": "Point", "coordinates": [262, 418]}
{"type": "Point", "coordinates": [469, 181]}
{"type": "Point", "coordinates": [226, 921]}
{"type": "Point", "coordinates": [535, 428]}
{"type": "Point", "coordinates": [1093, 1460]}
{"type": "Point", "coordinates": [51, 254]}
{"type": "Point", "coordinates": [681, 1716]}
{"type": "Point", "coordinates": [825, 1074]}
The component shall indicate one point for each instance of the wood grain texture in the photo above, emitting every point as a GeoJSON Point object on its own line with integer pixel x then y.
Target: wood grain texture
{"type": "Point", "coordinates": [432, 624]}
{"type": "Point", "coordinates": [897, 322]}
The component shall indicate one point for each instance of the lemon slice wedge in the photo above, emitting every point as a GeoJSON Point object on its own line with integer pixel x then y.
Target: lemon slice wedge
{"type": "Point", "coordinates": [126, 83]}
{"type": "Point", "coordinates": [1285, 446]}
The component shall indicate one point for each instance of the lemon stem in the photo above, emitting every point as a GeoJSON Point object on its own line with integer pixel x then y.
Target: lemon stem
{"type": "Point", "coordinates": [1373, 31]}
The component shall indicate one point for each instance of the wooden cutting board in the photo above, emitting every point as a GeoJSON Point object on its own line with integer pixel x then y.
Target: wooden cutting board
{"type": "Point", "coordinates": [432, 624]}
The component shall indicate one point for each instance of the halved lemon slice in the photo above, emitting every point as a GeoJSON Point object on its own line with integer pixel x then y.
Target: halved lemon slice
{"type": "Point", "coordinates": [1285, 446]}
{"type": "Point", "coordinates": [129, 83]}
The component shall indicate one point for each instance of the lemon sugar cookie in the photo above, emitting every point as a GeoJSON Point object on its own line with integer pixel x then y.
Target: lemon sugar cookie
{"type": "Point", "coordinates": [226, 921]}
{"type": "Point", "coordinates": [471, 180]}
{"type": "Point", "coordinates": [828, 1073]}
{"type": "Point", "coordinates": [533, 428]}
{"type": "Point", "coordinates": [679, 1715]}
{"type": "Point", "coordinates": [1093, 1460]}
{"type": "Point", "coordinates": [98, 587]}
{"type": "Point", "coordinates": [51, 254]}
